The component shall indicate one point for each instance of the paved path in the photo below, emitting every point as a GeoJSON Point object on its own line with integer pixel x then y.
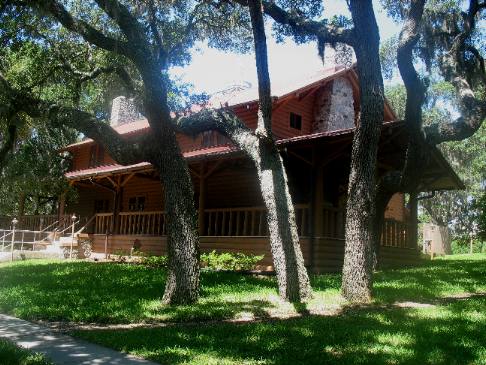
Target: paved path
{"type": "Point", "coordinates": [61, 349]}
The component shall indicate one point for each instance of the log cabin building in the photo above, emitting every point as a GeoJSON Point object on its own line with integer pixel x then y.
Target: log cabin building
{"type": "Point", "coordinates": [313, 124]}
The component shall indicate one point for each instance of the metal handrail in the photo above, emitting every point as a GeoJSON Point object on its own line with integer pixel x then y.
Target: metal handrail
{"type": "Point", "coordinates": [86, 225]}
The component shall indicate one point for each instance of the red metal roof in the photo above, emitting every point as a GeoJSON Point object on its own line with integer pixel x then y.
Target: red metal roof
{"type": "Point", "coordinates": [204, 153]}
{"type": "Point", "coordinates": [113, 169]}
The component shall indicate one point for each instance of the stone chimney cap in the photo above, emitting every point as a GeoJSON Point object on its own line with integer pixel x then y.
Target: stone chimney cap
{"type": "Point", "coordinates": [123, 111]}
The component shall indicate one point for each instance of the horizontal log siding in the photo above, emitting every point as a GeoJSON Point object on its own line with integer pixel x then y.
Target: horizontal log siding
{"type": "Point", "coordinates": [328, 253]}
{"type": "Point", "coordinates": [158, 245]}
{"type": "Point", "coordinates": [148, 188]}
{"type": "Point", "coordinates": [281, 117]}
{"type": "Point", "coordinates": [233, 187]}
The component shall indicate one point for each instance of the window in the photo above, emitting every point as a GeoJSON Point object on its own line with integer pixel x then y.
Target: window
{"type": "Point", "coordinates": [136, 203]}
{"type": "Point", "coordinates": [102, 206]}
{"type": "Point", "coordinates": [96, 155]}
{"type": "Point", "coordinates": [295, 121]}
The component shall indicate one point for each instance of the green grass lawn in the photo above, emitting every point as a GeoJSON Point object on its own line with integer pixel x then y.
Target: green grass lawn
{"type": "Point", "coordinates": [447, 331]}
{"type": "Point", "coordinates": [11, 354]}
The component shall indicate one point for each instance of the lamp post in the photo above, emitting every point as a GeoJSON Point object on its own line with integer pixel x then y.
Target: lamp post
{"type": "Point", "coordinates": [14, 223]}
{"type": "Point", "coordinates": [73, 220]}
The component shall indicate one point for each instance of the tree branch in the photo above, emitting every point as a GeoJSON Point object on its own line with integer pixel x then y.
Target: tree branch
{"type": "Point", "coordinates": [325, 33]}
{"type": "Point", "coordinates": [223, 121]}
{"type": "Point", "coordinates": [473, 109]}
{"type": "Point", "coordinates": [84, 122]}
{"type": "Point", "coordinates": [88, 32]}
{"type": "Point", "coordinates": [129, 25]}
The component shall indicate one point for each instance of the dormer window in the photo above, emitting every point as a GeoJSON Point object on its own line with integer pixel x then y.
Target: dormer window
{"type": "Point", "coordinates": [295, 121]}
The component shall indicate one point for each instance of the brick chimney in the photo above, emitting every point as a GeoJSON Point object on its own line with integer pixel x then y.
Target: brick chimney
{"type": "Point", "coordinates": [123, 110]}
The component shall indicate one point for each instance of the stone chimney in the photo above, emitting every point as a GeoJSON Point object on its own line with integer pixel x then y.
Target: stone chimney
{"type": "Point", "coordinates": [123, 111]}
{"type": "Point", "coordinates": [334, 107]}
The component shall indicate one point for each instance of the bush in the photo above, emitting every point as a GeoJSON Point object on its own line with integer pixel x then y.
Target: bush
{"type": "Point", "coordinates": [211, 261]}
{"type": "Point", "coordinates": [229, 261]}
{"type": "Point", "coordinates": [154, 261]}
{"type": "Point", "coordinates": [461, 246]}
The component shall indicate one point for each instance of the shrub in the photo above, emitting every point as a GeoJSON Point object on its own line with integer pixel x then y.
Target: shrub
{"type": "Point", "coordinates": [229, 261]}
{"type": "Point", "coordinates": [154, 261]}
{"type": "Point", "coordinates": [460, 246]}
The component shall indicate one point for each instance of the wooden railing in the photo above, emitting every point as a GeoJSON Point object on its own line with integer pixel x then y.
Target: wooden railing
{"type": "Point", "coordinates": [394, 233]}
{"type": "Point", "coordinates": [103, 223]}
{"type": "Point", "coordinates": [149, 223]}
{"type": "Point", "coordinates": [249, 221]}
{"type": "Point", "coordinates": [235, 222]}
{"type": "Point", "coordinates": [333, 222]}
{"type": "Point", "coordinates": [37, 222]}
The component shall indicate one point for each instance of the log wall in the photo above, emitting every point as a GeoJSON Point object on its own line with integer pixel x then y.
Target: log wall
{"type": "Point", "coordinates": [328, 252]}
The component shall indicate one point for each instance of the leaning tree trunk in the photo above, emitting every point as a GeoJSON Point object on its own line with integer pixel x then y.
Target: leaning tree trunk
{"type": "Point", "coordinates": [182, 285]}
{"type": "Point", "coordinates": [292, 278]}
{"type": "Point", "coordinates": [360, 209]}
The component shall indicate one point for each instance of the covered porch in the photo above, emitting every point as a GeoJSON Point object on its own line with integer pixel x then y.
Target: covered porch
{"type": "Point", "coordinates": [124, 202]}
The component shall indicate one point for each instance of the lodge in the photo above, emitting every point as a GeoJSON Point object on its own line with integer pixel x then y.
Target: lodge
{"type": "Point", "coordinates": [313, 124]}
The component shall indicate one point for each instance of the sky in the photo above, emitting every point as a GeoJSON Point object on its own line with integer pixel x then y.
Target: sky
{"type": "Point", "coordinates": [212, 70]}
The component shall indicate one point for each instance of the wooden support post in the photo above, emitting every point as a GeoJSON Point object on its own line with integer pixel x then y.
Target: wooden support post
{"type": "Point", "coordinates": [319, 202]}
{"type": "Point", "coordinates": [413, 223]}
{"type": "Point", "coordinates": [115, 223]}
{"type": "Point", "coordinates": [202, 199]}
{"type": "Point", "coordinates": [316, 199]}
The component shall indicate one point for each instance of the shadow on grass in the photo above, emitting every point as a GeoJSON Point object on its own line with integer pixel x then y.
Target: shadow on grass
{"type": "Point", "coordinates": [120, 293]}
{"type": "Point", "coordinates": [430, 280]}
{"type": "Point", "coordinates": [453, 334]}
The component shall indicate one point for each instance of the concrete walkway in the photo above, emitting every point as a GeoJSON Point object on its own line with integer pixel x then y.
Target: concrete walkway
{"type": "Point", "coordinates": [61, 349]}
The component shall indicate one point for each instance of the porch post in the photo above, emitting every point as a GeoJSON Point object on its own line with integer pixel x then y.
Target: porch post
{"type": "Point", "coordinates": [202, 199]}
{"type": "Point", "coordinates": [118, 196]}
{"type": "Point", "coordinates": [316, 203]}
{"type": "Point", "coordinates": [413, 223]}
{"type": "Point", "coordinates": [319, 201]}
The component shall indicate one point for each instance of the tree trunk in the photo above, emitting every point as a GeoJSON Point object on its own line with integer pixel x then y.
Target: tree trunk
{"type": "Point", "coordinates": [288, 261]}
{"type": "Point", "coordinates": [22, 199]}
{"type": "Point", "coordinates": [292, 278]}
{"type": "Point", "coordinates": [182, 285]}
{"type": "Point", "coordinates": [360, 210]}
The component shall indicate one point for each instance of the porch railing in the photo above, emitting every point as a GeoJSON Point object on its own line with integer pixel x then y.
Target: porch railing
{"type": "Point", "coordinates": [394, 233]}
{"type": "Point", "coordinates": [333, 222]}
{"type": "Point", "coordinates": [149, 223]}
{"type": "Point", "coordinates": [37, 222]}
{"type": "Point", "coordinates": [235, 222]}
{"type": "Point", "coordinates": [250, 221]}
{"type": "Point", "coordinates": [247, 221]}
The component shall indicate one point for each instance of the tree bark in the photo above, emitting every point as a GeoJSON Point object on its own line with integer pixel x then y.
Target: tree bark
{"type": "Point", "coordinates": [160, 147]}
{"type": "Point", "coordinates": [182, 285]}
{"type": "Point", "coordinates": [292, 278]}
{"type": "Point", "coordinates": [360, 211]}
